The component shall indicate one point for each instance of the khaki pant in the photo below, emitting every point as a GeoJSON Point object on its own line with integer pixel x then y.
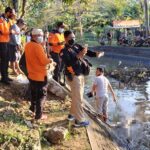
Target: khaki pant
{"type": "Point", "coordinates": [77, 90]}
{"type": "Point", "coordinates": [101, 105]}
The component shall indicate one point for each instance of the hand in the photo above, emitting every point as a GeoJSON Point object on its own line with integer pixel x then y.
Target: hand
{"type": "Point", "coordinates": [99, 54]}
{"type": "Point", "coordinates": [115, 99]}
{"type": "Point", "coordinates": [14, 32]}
{"type": "Point", "coordinates": [51, 60]}
{"type": "Point", "coordinates": [84, 51]}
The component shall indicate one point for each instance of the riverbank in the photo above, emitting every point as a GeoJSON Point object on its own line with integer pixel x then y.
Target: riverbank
{"type": "Point", "coordinates": [135, 55]}
{"type": "Point", "coordinates": [18, 129]}
{"type": "Point", "coordinates": [131, 114]}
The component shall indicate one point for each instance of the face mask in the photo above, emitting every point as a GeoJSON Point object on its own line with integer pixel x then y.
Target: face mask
{"type": "Point", "coordinates": [40, 39]}
{"type": "Point", "coordinates": [71, 42]}
{"type": "Point", "coordinates": [61, 30]}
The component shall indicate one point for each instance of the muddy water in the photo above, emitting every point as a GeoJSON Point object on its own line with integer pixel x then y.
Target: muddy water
{"type": "Point", "coordinates": [133, 107]}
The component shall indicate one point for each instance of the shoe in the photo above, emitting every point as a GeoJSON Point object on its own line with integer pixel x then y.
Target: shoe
{"type": "Point", "coordinates": [6, 82]}
{"type": "Point", "coordinates": [81, 124]}
{"type": "Point", "coordinates": [71, 117]}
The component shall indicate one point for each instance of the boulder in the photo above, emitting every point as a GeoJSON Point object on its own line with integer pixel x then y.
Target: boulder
{"type": "Point", "coordinates": [56, 134]}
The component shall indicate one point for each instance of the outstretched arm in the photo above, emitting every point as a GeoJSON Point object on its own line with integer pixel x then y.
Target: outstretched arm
{"type": "Point", "coordinates": [94, 54]}
{"type": "Point", "coordinates": [112, 91]}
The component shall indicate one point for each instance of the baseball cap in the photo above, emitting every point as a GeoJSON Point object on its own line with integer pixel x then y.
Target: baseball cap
{"type": "Point", "coordinates": [61, 24]}
{"type": "Point", "coordinates": [36, 31]}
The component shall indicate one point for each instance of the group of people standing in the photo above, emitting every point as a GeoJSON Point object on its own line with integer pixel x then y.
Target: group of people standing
{"type": "Point", "coordinates": [59, 47]}
{"type": "Point", "coordinates": [10, 43]}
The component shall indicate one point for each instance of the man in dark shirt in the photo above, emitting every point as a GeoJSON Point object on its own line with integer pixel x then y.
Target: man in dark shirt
{"type": "Point", "coordinates": [72, 56]}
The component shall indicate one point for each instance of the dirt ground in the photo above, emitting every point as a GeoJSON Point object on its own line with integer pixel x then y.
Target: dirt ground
{"type": "Point", "coordinates": [18, 130]}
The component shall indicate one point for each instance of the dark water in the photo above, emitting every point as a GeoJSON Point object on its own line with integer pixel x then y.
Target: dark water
{"type": "Point", "coordinates": [133, 107]}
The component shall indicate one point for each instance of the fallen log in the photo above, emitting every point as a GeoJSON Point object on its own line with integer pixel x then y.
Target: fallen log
{"type": "Point", "coordinates": [20, 86]}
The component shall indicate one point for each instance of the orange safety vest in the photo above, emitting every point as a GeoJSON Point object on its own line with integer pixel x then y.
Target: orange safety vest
{"type": "Point", "coordinates": [4, 29]}
{"type": "Point", "coordinates": [53, 39]}
{"type": "Point", "coordinates": [36, 61]}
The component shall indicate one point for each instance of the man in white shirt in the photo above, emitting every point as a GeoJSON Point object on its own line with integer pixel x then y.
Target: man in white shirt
{"type": "Point", "coordinates": [100, 87]}
{"type": "Point", "coordinates": [15, 45]}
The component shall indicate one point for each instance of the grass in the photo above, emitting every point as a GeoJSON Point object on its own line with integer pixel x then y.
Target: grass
{"type": "Point", "coordinates": [16, 134]}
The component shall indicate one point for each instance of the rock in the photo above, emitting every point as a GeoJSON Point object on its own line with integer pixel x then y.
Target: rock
{"type": "Point", "coordinates": [57, 89]}
{"type": "Point", "coordinates": [28, 123]}
{"type": "Point", "coordinates": [141, 137]}
{"type": "Point", "coordinates": [56, 135]}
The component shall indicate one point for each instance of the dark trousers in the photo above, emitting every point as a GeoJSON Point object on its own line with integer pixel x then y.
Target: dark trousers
{"type": "Point", "coordinates": [56, 58]}
{"type": "Point", "coordinates": [38, 96]}
{"type": "Point", "coordinates": [4, 59]}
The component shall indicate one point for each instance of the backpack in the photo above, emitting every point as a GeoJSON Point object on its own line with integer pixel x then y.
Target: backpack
{"type": "Point", "coordinates": [22, 64]}
{"type": "Point", "coordinates": [85, 65]}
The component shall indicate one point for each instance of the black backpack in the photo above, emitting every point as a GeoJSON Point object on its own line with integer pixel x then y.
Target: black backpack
{"type": "Point", "coordinates": [22, 64]}
{"type": "Point", "coordinates": [85, 64]}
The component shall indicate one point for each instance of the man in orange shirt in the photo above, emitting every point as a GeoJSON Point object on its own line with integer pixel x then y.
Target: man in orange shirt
{"type": "Point", "coordinates": [56, 41]}
{"type": "Point", "coordinates": [36, 61]}
{"type": "Point", "coordinates": [5, 25]}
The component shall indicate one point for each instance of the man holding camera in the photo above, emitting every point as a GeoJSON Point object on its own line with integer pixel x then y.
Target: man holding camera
{"type": "Point", "coordinates": [73, 57]}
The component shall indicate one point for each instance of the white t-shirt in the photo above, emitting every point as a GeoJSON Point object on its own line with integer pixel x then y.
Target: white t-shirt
{"type": "Point", "coordinates": [101, 83]}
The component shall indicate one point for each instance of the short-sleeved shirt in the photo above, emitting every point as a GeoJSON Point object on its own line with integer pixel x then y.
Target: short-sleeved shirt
{"type": "Point", "coordinates": [15, 39]}
{"type": "Point", "coordinates": [101, 83]}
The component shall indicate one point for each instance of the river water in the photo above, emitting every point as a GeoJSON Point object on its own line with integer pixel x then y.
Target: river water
{"type": "Point", "coordinates": [133, 106]}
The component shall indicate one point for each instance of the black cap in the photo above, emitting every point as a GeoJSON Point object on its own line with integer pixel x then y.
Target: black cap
{"type": "Point", "coordinates": [8, 9]}
{"type": "Point", "coordinates": [60, 24]}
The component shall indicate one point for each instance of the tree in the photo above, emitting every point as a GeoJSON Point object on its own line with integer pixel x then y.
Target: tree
{"type": "Point", "coordinates": [146, 14]}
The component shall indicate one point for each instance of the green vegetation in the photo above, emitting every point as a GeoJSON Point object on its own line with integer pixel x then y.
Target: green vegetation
{"type": "Point", "coordinates": [93, 16]}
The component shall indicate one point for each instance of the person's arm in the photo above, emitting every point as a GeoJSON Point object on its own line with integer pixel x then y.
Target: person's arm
{"type": "Point", "coordinates": [94, 54]}
{"type": "Point", "coordinates": [67, 61]}
{"type": "Point", "coordinates": [1, 26]}
{"type": "Point", "coordinates": [41, 55]}
{"type": "Point", "coordinates": [13, 36]}
{"type": "Point", "coordinates": [94, 88]}
{"type": "Point", "coordinates": [112, 91]}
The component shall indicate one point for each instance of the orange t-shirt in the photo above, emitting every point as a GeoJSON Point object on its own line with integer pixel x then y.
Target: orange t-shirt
{"type": "Point", "coordinates": [36, 61]}
{"type": "Point", "coordinates": [5, 30]}
{"type": "Point", "coordinates": [53, 39]}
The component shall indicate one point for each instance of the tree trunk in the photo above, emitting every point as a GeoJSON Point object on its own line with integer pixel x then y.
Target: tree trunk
{"type": "Point", "coordinates": [23, 8]}
{"type": "Point", "coordinates": [80, 26]}
{"type": "Point", "coordinates": [15, 5]}
{"type": "Point", "coordinates": [146, 15]}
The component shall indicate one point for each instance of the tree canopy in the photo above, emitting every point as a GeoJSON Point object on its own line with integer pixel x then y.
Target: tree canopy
{"type": "Point", "coordinates": [78, 14]}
